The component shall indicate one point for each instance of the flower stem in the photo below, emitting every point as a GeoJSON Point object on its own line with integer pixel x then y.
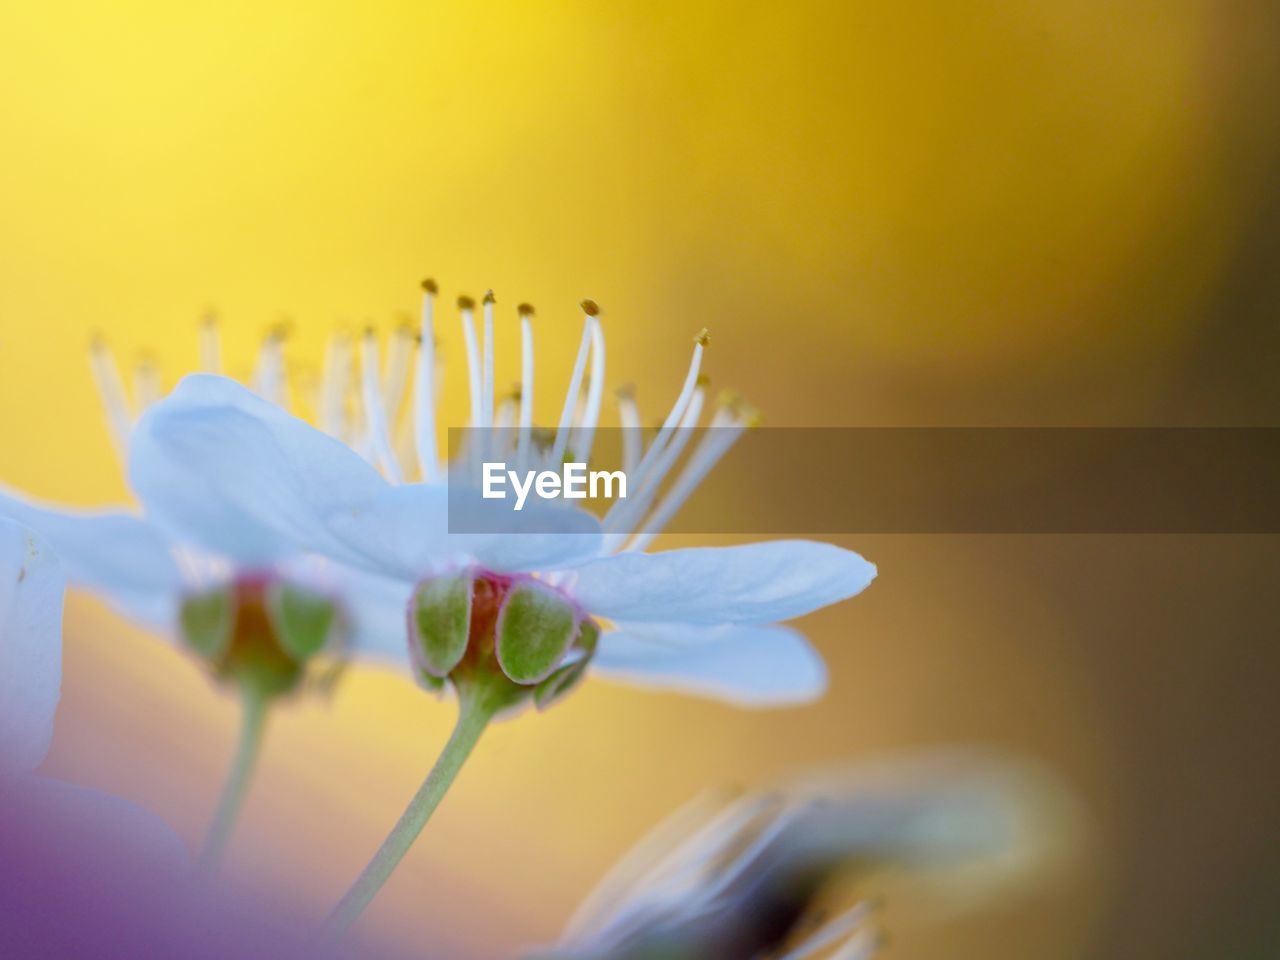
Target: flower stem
{"type": "Point", "coordinates": [252, 727]}
{"type": "Point", "coordinates": [474, 713]}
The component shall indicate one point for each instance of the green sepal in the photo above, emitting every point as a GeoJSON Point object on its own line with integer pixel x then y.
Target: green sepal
{"type": "Point", "coordinates": [440, 622]}
{"type": "Point", "coordinates": [560, 684]}
{"type": "Point", "coordinates": [565, 679]}
{"type": "Point", "coordinates": [588, 637]}
{"type": "Point", "coordinates": [207, 621]}
{"type": "Point", "coordinates": [535, 628]}
{"type": "Point", "coordinates": [428, 682]}
{"type": "Point", "coordinates": [304, 622]}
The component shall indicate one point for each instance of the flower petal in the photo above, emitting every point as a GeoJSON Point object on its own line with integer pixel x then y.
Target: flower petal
{"type": "Point", "coordinates": [31, 587]}
{"type": "Point", "coordinates": [239, 475]}
{"type": "Point", "coordinates": [123, 557]}
{"type": "Point", "coordinates": [753, 583]}
{"type": "Point", "coordinates": [407, 527]}
{"type": "Point", "coordinates": [767, 666]}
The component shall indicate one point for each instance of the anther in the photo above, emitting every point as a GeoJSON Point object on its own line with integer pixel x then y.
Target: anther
{"type": "Point", "coordinates": [429, 285]}
{"type": "Point", "coordinates": [703, 337]}
{"type": "Point", "coordinates": [466, 303]}
{"type": "Point", "coordinates": [590, 308]}
{"type": "Point", "coordinates": [525, 310]}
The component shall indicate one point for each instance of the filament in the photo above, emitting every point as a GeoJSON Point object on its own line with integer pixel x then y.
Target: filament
{"type": "Point", "coordinates": [632, 432]}
{"type": "Point", "coordinates": [526, 384]}
{"type": "Point", "coordinates": [571, 395]}
{"type": "Point", "coordinates": [424, 385]}
{"type": "Point", "coordinates": [595, 391]}
{"type": "Point", "coordinates": [210, 352]}
{"type": "Point", "coordinates": [374, 411]}
{"type": "Point", "coordinates": [678, 409]}
{"type": "Point", "coordinates": [720, 436]}
{"type": "Point", "coordinates": [115, 403]}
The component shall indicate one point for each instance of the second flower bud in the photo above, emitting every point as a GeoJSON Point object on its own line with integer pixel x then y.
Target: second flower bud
{"type": "Point", "coordinates": [516, 635]}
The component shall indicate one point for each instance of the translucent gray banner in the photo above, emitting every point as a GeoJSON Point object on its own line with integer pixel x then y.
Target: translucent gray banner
{"type": "Point", "coordinates": [877, 480]}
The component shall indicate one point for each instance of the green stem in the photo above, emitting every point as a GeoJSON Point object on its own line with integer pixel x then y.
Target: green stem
{"type": "Point", "coordinates": [252, 727]}
{"type": "Point", "coordinates": [474, 713]}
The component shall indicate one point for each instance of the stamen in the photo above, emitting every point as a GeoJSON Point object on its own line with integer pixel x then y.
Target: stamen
{"type": "Point", "coordinates": [474, 384]}
{"type": "Point", "coordinates": [632, 432]}
{"type": "Point", "coordinates": [374, 411]}
{"type": "Point", "coordinates": [146, 382]}
{"type": "Point", "coordinates": [333, 387]}
{"type": "Point", "coordinates": [268, 377]}
{"type": "Point", "coordinates": [424, 398]}
{"type": "Point", "coordinates": [723, 432]}
{"type": "Point", "coordinates": [399, 363]}
{"type": "Point", "coordinates": [595, 385]}
{"type": "Point", "coordinates": [115, 403]}
{"type": "Point", "coordinates": [525, 311]}
{"type": "Point", "coordinates": [487, 386]}
{"type": "Point", "coordinates": [575, 388]}
{"type": "Point", "coordinates": [626, 513]}
{"type": "Point", "coordinates": [209, 348]}
{"type": "Point", "coordinates": [682, 401]}
{"type": "Point", "coordinates": [505, 418]}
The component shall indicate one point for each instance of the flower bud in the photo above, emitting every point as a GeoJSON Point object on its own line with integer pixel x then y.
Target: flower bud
{"type": "Point", "coordinates": [517, 635]}
{"type": "Point", "coordinates": [260, 633]}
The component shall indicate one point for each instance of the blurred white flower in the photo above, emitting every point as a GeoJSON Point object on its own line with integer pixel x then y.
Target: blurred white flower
{"type": "Point", "coordinates": [258, 612]}
{"type": "Point", "coordinates": [149, 571]}
{"type": "Point", "coordinates": [744, 879]}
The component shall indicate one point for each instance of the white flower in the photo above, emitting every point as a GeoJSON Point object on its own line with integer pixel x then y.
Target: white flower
{"type": "Point", "coordinates": [225, 467]}
{"type": "Point", "coordinates": [149, 571]}
{"type": "Point", "coordinates": [741, 879]}
{"type": "Point", "coordinates": [31, 590]}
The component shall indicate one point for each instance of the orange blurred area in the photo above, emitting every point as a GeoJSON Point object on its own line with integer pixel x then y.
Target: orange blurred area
{"type": "Point", "coordinates": [984, 213]}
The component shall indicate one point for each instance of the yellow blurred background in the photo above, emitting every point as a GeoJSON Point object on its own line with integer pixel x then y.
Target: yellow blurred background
{"type": "Point", "coordinates": [961, 214]}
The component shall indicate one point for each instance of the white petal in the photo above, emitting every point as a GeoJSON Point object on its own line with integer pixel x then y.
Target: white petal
{"type": "Point", "coordinates": [753, 583]}
{"type": "Point", "coordinates": [766, 666]}
{"type": "Point", "coordinates": [238, 475]}
{"type": "Point", "coordinates": [31, 587]}
{"type": "Point", "coordinates": [123, 557]}
{"type": "Point", "coordinates": [407, 530]}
